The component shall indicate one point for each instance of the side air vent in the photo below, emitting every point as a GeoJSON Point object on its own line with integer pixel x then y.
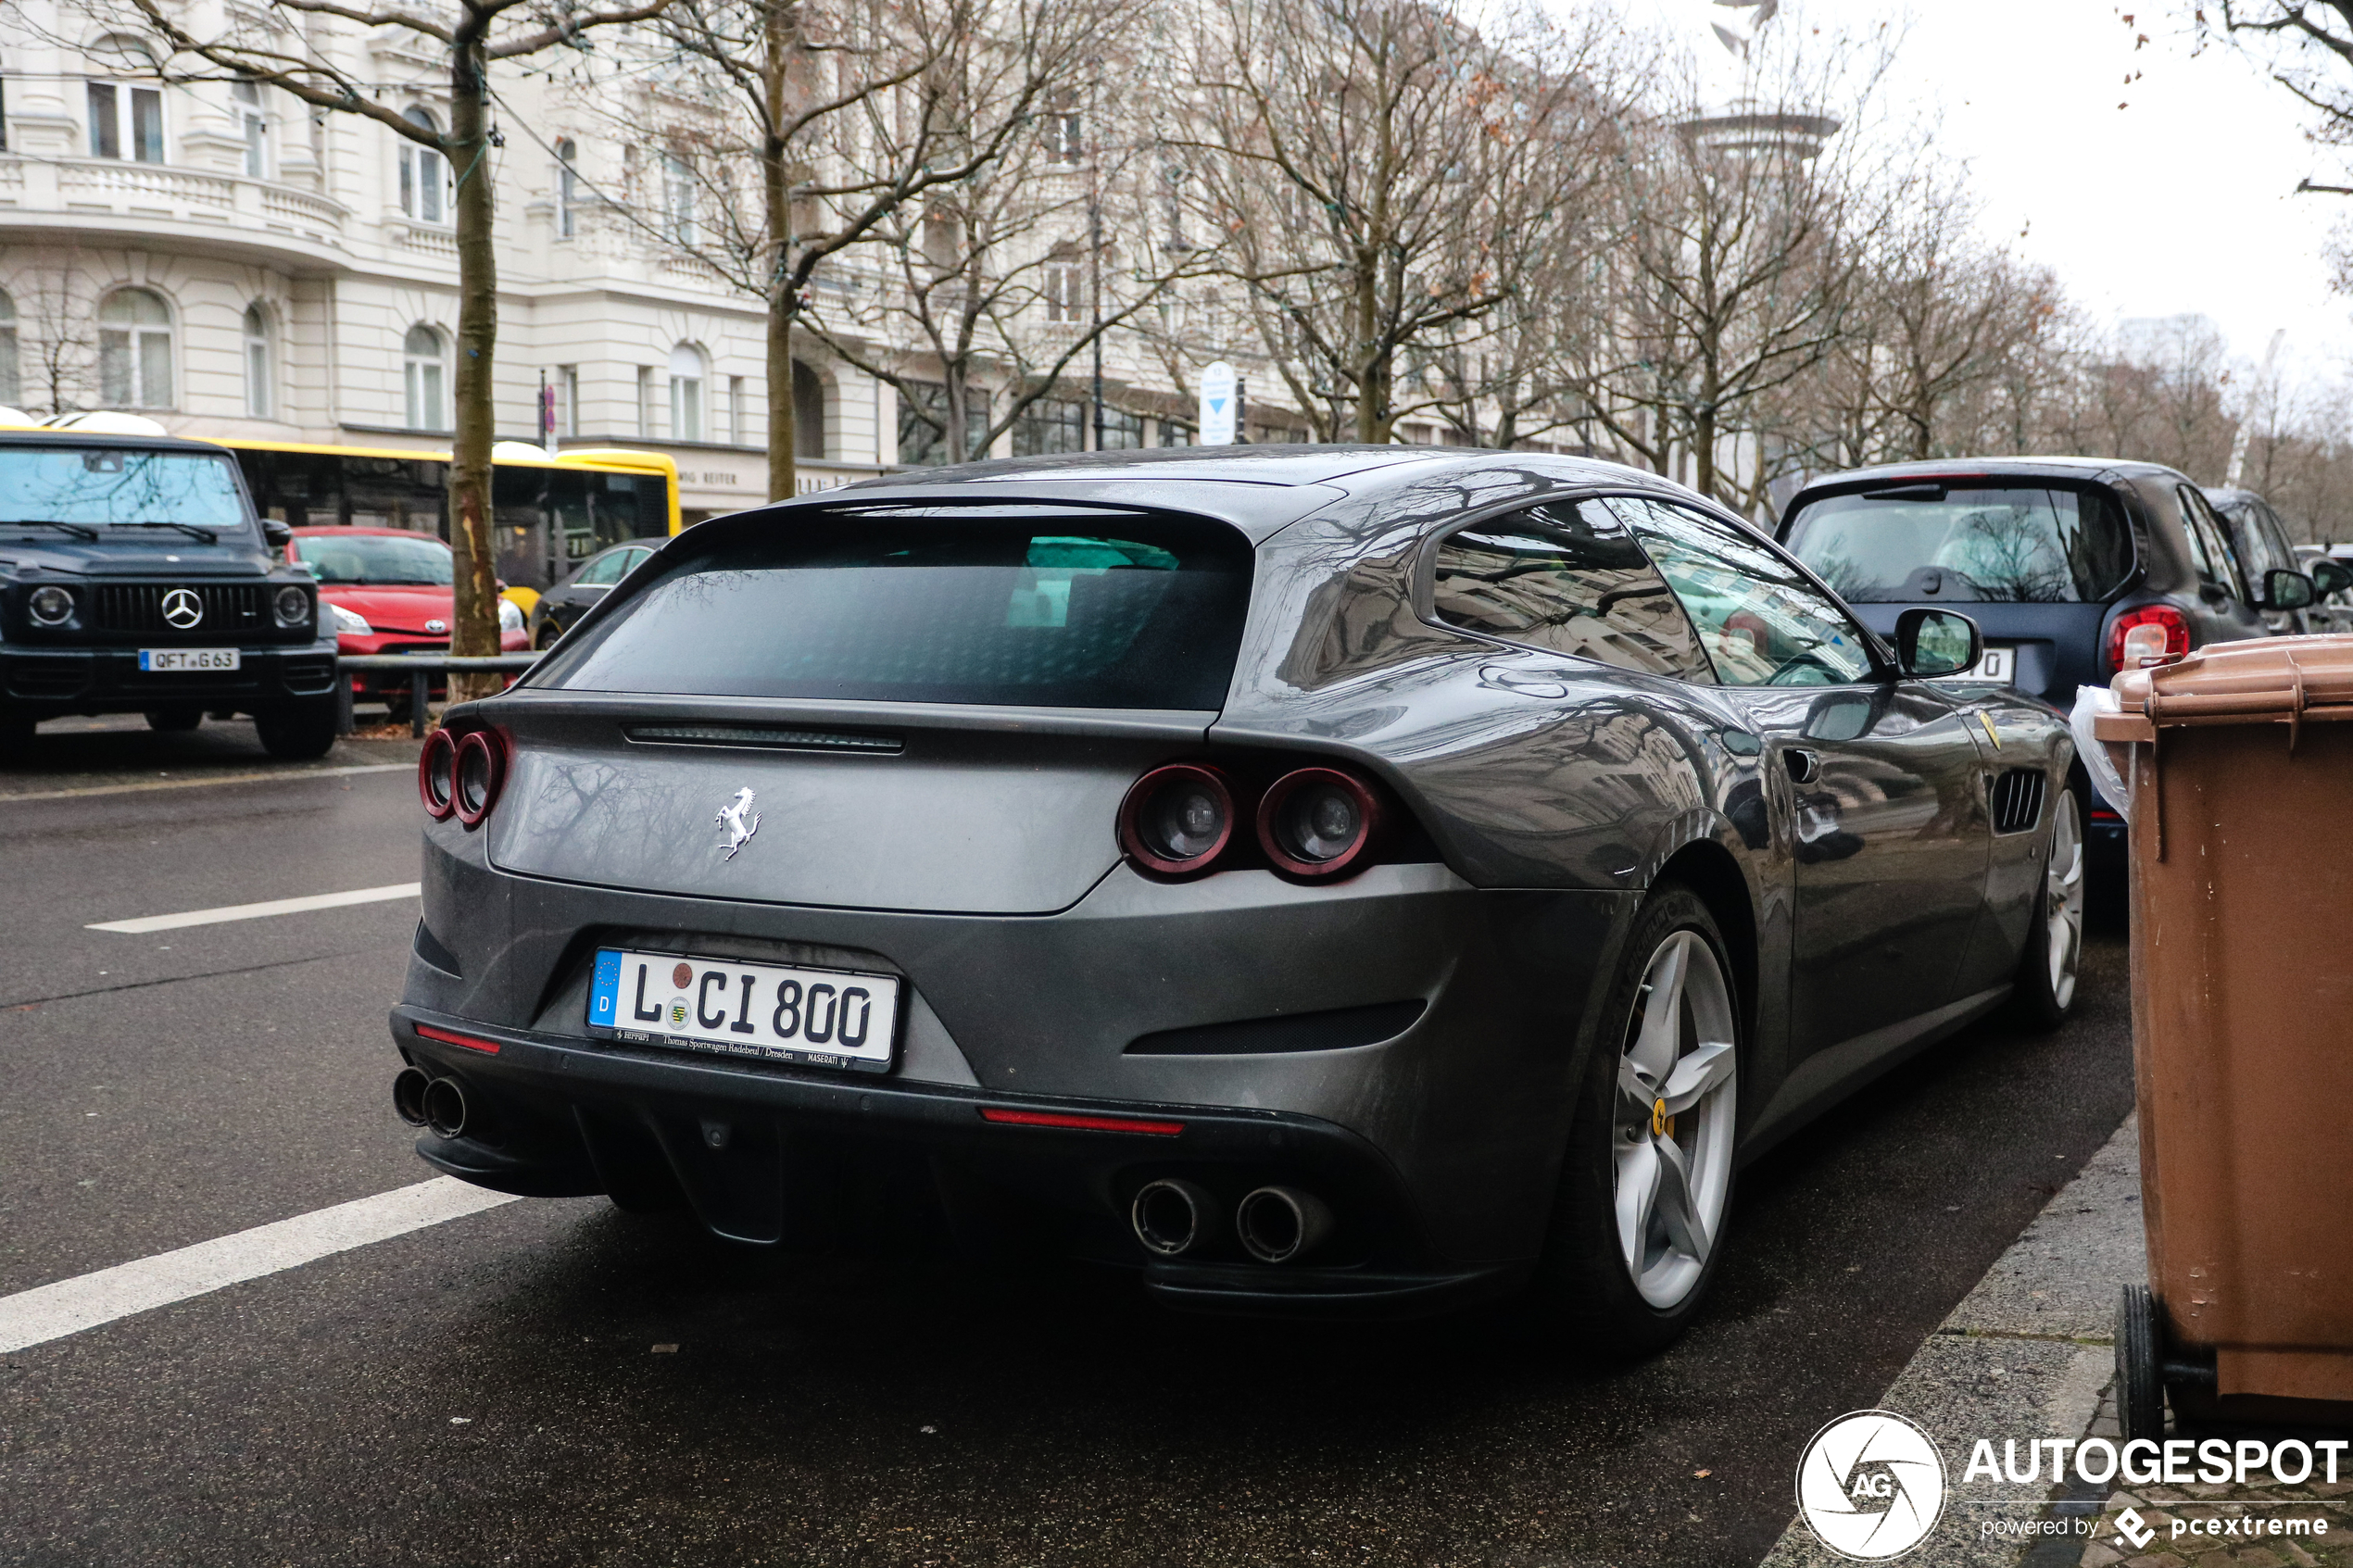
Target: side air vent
{"type": "Point", "coordinates": [764, 738]}
{"type": "Point", "coordinates": [2018, 800]}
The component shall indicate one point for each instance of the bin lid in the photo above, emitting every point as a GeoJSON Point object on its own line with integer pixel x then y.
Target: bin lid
{"type": "Point", "coordinates": [2263, 680]}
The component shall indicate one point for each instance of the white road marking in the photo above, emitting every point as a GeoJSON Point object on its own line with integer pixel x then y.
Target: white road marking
{"type": "Point", "coordinates": [69, 1306]}
{"type": "Point", "coordinates": [214, 779]}
{"type": "Point", "coordinates": [256, 911]}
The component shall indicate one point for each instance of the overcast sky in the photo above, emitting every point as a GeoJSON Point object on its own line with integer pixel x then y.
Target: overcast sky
{"type": "Point", "coordinates": [2179, 202]}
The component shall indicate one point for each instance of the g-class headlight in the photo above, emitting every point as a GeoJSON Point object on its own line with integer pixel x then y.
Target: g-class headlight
{"type": "Point", "coordinates": [509, 616]}
{"type": "Point", "coordinates": [51, 605]}
{"type": "Point", "coordinates": [294, 606]}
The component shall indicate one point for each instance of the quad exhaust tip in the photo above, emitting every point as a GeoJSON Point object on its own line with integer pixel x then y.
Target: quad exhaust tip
{"type": "Point", "coordinates": [409, 1096]}
{"type": "Point", "coordinates": [1173, 1217]}
{"type": "Point", "coordinates": [1276, 1224]}
{"type": "Point", "coordinates": [444, 1108]}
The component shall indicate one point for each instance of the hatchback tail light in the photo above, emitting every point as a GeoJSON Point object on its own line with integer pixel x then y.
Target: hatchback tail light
{"type": "Point", "coordinates": [2151, 634]}
{"type": "Point", "coordinates": [1318, 823]}
{"type": "Point", "coordinates": [438, 775]}
{"type": "Point", "coordinates": [1177, 820]}
{"type": "Point", "coordinates": [480, 773]}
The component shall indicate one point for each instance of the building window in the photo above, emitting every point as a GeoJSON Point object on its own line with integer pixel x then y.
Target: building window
{"type": "Point", "coordinates": [1065, 290]}
{"type": "Point", "coordinates": [1050, 425]}
{"type": "Point", "coordinates": [134, 351]}
{"type": "Point", "coordinates": [1123, 432]}
{"type": "Point", "coordinates": [678, 198]}
{"type": "Point", "coordinates": [1065, 137]}
{"type": "Point", "coordinates": [686, 377]}
{"type": "Point", "coordinates": [255, 125]}
{"type": "Point", "coordinates": [645, 402]}
{"type": "Point", "coordinates": [567, 400]}
{"type": "Point", "coordinates": [259, 401]}
{"type": "Point", "coordinates": [808, 413]}
{"type": "Point", "coordinates": [424, 374]}
{"type": "Point", "coordinates": [126, 122]}
{"type": "Point", "coordinates": [923, 425]}
{"type": "Point", "coordinates": [11, 385]}
{"type": "Point", "coordinates": [424, 173]}
{"type": "Point", "coordinates": [1172, 433]}
{"type": "Point", "coordinates": [1172, 206]}
{"type": "Point", "coordinates": [736, 411]}
{"type": "Point", "coordinates": [567, 189]}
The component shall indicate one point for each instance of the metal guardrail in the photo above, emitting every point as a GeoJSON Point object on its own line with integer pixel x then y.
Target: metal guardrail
{"type": "Point", "coordinates": [422, 668]}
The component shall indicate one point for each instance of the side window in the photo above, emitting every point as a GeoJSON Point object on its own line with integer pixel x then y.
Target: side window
{"type": "Point", "coordinates": [1567, 577]}
{"type": "Point", "coordinates": [602, 572]}
{"type": "Point", "coordinates": [2216, 564]}
{"type": "Point", "coordinates": [630, 561]}
{"type": "Point", "coordinates": [1762, 622]}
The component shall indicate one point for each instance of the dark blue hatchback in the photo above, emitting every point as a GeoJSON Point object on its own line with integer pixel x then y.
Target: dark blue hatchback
{"type": "Point", "coordinates": [2072, 566]}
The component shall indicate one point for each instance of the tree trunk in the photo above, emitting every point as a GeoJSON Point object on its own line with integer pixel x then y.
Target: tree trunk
{"type": "Point", "coordinates": [775, 190]}
{"type": "Point", "coordinates": [475, 632]}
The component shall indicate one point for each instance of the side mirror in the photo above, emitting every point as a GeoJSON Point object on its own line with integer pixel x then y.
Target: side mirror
{"type": "Point", "coordinates": [276, 534]}
{"type": "Point", "coordinates": [2331, 576]}
{"type": "Point", "coordinates": [2284, 589]}
{"type": "Point", "coordinates": [1929, 642]}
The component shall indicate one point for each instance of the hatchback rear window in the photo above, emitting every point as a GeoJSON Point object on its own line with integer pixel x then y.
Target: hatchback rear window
{"type": "Point", "coordinates": [1066, 612]}
{"type": "Point", "coordinates": [1991, 544]}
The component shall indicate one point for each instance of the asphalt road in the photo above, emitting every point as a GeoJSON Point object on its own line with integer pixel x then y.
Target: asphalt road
{"type": "Point", "coordinates": [491, 1391]}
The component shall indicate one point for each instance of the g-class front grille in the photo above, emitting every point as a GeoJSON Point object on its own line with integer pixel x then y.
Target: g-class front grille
{"type": "Point", "coordinates": [2018, 800]}
{"type": "Point", "coordinates": [164, 608]}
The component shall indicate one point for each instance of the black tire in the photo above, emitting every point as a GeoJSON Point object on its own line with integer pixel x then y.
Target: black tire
{"type": "Point", "coordinates": [2139, 1378]}
{"type": "Point", "coordinates": [298, 732]}
{"type": "Point", "coordinates": [548, 633]}
{"type": "Point", "coordinates": [2037, 1002]}
{"type": "Point", "coordinates": [173, 721]}
{"type": "Point", "coordinates": [1583, 1285]}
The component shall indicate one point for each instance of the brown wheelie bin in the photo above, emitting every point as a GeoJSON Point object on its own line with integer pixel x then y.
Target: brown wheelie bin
{"type": "Point", "coordinates": [2239, 762]}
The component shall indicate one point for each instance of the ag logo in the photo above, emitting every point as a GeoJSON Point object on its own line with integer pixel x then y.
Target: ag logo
{"type": "Point", "coordinates": [182, 610]}
{"type": "Point", "coordinates": [1871, 1486]}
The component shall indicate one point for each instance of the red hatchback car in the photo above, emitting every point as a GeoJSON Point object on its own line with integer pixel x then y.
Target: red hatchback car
{"type": "Point", "coordinates": [390, 592]}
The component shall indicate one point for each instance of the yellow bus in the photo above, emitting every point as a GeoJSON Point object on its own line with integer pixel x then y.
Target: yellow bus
{"type": "Point", "coordinates": [550, 512]}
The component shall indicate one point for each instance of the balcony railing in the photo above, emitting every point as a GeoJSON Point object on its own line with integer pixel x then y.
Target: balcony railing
{"type": "Point", "coordinates": [163, 190]}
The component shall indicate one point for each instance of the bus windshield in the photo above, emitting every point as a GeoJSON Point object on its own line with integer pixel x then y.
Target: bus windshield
{"type": "Point", "coordinates": [111, 486]}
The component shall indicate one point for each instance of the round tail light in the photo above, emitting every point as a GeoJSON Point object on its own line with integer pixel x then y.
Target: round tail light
{"type": "Point", "coordinates": [438, 775]}
{"type": "Point", "coordinates": [481, 771]}
{"type": "Point", "coordinates": [1177, 820]}
{"type": "Point", "coordinates": [1318, 823]}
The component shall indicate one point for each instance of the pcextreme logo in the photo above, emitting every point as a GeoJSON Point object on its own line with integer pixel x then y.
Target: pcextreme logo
{"type": "Point", "coordinates": [1871, 1486]}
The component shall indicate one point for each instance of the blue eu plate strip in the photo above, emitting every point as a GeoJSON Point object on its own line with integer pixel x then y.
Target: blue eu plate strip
{"type": "Point", "coordinates": [604, 994]}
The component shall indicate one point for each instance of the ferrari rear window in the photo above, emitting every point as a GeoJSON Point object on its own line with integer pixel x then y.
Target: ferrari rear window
{"type": "Point", "coordinates": [1066, 612]}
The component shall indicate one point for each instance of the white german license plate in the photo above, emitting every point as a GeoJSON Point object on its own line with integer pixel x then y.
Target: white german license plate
{"type": "Point", "coordinates": [1996, 664]}
{"type": "Point", "coordinates": [813, 1017]}
{"type": "Point", "coordinates": [163, 661]}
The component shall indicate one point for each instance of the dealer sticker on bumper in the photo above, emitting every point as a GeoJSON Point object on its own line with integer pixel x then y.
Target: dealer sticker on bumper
{"type": "Point", "coordinates": [164, 661]}
{"type": "Point", "coordinates": [812, 1017]}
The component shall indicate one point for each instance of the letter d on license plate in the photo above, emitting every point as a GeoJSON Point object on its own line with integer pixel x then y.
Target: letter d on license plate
{"type": "Point", "coordinates": [813, 1017]}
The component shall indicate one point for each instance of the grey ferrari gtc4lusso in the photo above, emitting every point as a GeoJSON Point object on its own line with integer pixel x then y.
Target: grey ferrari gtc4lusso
{"type": "Point", "coordinates": [1321, 878]}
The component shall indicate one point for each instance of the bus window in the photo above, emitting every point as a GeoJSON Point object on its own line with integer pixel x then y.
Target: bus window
{"type": "Point", "coordinates": [519, 525]}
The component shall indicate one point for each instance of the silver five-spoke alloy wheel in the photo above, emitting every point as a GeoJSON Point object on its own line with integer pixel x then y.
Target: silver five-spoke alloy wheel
{"type": "Point", "coordinates": [1673, 1144]}
{"type": "Point", "coordinates": [2063, 898]}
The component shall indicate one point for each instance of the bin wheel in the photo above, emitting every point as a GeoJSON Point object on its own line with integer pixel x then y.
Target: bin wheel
{"type": "Point", "coordinates": [2140, 1383]}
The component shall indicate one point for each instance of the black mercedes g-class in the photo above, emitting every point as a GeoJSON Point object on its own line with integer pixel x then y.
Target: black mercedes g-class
{"type": "Point", "coordinates": [135, 577]}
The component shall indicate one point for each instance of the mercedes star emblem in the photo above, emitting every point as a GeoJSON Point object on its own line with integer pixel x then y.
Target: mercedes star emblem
{"type": "Point", "coordinates": [183, 610]}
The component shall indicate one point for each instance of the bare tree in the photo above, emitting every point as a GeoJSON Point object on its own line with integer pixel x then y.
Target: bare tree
{"type": "Point", "coordinates": [1383, 176]}
{"type": "Point", "coordinates": [298, 47]}
{"type": "Point", "coordinates": [54, 333]}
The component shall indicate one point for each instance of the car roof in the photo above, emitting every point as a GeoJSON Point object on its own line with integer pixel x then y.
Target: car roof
{"type": "Point", "coordinates": [1284, 464]}
{"type": "Point", "coordinates": [1981, 468]}
{"type": "Point", "coordinates": [339, 531]}
{"type": "Point", "coordinates": [116, 442]}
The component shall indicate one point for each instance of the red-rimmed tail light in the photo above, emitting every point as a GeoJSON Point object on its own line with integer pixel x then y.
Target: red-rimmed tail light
{"type": "Point", "coordinates": [1318, 823]}
{"type": "Point", "coordinates": [2151, 634]}
{"type": "Point", "coordinates": [481, 772]}
{"type": "Point", "coordinates": [438, 775]}
{"type": "Point", "coordinates": [1177, 820]}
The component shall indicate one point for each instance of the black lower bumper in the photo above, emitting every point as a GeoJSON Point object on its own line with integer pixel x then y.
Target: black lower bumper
{"type": "Point", "coordinates": [768, 1155]}
{"type": "Point", "coordinates": [45, 682]}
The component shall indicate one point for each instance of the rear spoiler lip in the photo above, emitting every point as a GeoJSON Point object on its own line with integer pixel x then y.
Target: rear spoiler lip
{"type": "Point", "coordinates": [523, 704]}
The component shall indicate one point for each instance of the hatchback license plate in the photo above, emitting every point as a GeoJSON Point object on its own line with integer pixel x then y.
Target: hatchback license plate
{"type": "Point", "coordinates": [165, 661]}
{"type": "Point", "coordinates": [811, 1017]}
{"type": "Point", "coordinates": [1999, 665]}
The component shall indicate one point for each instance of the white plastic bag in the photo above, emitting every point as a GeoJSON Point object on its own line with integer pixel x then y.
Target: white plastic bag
{"type": "Point", "coordinates": [2089, 702]}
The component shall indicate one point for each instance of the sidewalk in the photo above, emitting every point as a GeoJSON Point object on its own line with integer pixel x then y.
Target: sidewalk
{"type": "Point", "coordinates": [2029, 1353]}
